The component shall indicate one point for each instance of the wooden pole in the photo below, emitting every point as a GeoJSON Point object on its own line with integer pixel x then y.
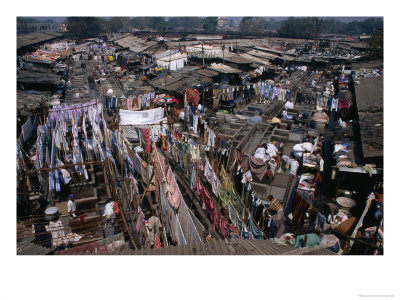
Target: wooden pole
{"type": "Point", "coordinates": [65, 166]}
{"type": "Point", "coordinates": [157, 184]}
{"type": "Point", "coordinates": [229, 156]}
{"type": "Point", "coordinates": [202, 51]}
{"type": "Point", "coordinates": [145, 191]}
{"type": "Point", "coordinates": [114, 191]}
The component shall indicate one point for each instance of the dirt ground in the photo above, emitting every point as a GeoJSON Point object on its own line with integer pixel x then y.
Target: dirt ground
{"type": "Point", "coordinates": [373, 64]}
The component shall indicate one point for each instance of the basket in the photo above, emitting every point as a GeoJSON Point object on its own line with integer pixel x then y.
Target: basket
{"type": "Point", "coordinates": [345, 202]}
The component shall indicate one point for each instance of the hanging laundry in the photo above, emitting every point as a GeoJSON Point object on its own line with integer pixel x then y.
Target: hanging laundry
{"type": "Point", "coordinates": [192, 96]}
{"type": "Point", "coordinates": [146, 135]}
{"type": "Point", "coordinates": [211, 138]}
{"type": "Point", "coordinates": [257, 233]}
{"type": "Point", "coordinates": [174, 194]}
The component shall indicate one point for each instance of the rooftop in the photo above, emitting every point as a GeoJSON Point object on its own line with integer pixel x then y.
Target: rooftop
{"type": "Point", "coordinates": [223, 69]}
{"type": "Point", "coordinates": [369, 94]}
{"type": "Point", "coordinates": [35, 38]}
{"type": "Point", "coordinates": [135, 44]}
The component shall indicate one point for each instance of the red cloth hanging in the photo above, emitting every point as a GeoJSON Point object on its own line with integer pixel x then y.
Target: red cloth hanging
{"type": "Point", "coordinates": [157, 243]}
{"type": "Point", "coordinates": [115, 207]}
{"type": "Point", "coordinates": [192, 96]}
{"type": "Point", "coordinates": [217, 219]}
{"type": "Point", "coordinates": [146, 134]}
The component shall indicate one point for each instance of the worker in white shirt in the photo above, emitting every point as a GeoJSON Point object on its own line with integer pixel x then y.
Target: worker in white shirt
{"type": "Point", "coordinates": [71, 206]}
{"type": "Point", "coordinates": [182, 115]}
{"type": "Point", "coordinates": [289, 105]}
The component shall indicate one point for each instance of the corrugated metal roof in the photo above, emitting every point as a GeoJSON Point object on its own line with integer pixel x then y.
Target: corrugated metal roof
{"type": "Point", "coordinates": [266, 55]}
{"type": "Point", "coordinates": [35, 38]}
{"type": "Point", "coordinates": [26, 247]}
{"type": "Point", "coordinates": [255, 59]}
{"type": "Point", "coordinates": [207, 72]}
{"type": "Point", "coordinates": [135, 44]}
{"type": "Point", "coordinates": [238, 59]}
{"type": "Point", "coordinates": [224, 69]}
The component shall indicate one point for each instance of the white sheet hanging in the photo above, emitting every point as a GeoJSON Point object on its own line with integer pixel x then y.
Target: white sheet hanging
{"type": "Point", "coordinates": [142, 117]}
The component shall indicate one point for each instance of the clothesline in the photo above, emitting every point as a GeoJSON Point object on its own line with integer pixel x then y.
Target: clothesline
{"type": "Point", "coordinates": [78, 106]}
{"type": "Point", "coordinates": [64, 166]}
{"type": "Point", "coordinates": [144, 125]}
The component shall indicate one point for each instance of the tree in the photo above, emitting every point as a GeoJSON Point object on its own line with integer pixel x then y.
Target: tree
{"type": "Point", "coordinates": [316, 27]}
{"type": "Point", "coordinates": [375, 44]}
{"type": "Point", "coordinates": [252, 24]}
{"type": "Point", "coordinates": [272, 24]}
{"type": "Point", "coordinates": [301, 28]}
{"type": "Point", "coordinates": [333, 26]}
{"type": "Point", "coordinates": [117, 24]}
{"type": "Point", "coordinates": [294, 28]}
{"type": "Point", "coordinates": [157, 23]}
{"type": "Point", "coordinates": [84, 27]}
{"type": "Point", "coordinates": [210, 23]}
{"type": "Point", "coordinates": [138, 22]}
{"type": "Point", "coordinates": [188, 23]}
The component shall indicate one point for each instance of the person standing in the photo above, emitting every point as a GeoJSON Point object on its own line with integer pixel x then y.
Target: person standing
{"type": "Point", "coordinates": [71, 206]}
{"type": "Point", "coordinates": [155, 228]}
{"type": "Point", "coordinates": [109, 213]}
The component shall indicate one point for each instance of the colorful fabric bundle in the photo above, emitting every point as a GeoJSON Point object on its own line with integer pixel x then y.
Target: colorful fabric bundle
{"type": "Point", "coordinates": [216, 217]}
{"type": "Point", "coordinates": [258, 167]}
{"type": "Point", "coordinates": [299, 211]}
{"type": "Point", "coordinates": [343, 103]}
{"type": "Point", "coordinates": [192, 96]}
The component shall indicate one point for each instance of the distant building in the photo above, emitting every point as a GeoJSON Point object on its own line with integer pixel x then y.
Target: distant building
{"type": "Point", "coordinates": [26, 28]}
{"type": "Point", "coordinates": [364, 37]}
{"type": "Point", "coordinates": [61, 28]}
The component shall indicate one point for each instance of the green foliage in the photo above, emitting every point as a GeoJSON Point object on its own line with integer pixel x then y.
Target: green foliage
{"type": "Point", "coordinates": [84, 27]}
{"type": "Point", "coordinates": [188, 23]}
{"type": "Point", "coordinates": [375, 44]}
{"type": "Point", "coordinates": [367, 26]}
{"type": "Point", "coordinates": [210, 23]}
{"type": "Point", "coordinates": [304, 28]}
{"type": "Point", "coordinates": [252, 24]}
{"type": "Point", "coordinates": [333, 26]}
{"type": "Point", "coordinates": [312, 27]}
{"type": "Point", "coordinates": [116, 24]}
{"type": "Point", "coordinates": [158, 23]}
{"type": "Point", "coordinates": [272, 24]}
{"type": "Point", "coordinates": [138, 22]}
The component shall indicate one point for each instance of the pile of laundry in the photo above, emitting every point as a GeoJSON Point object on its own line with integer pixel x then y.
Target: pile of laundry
{"type": "Point", "coordinates": [299, 149]}
{"type": "Point", "coordinates": [342, 158]}
{"type": "Point", "coordinates": [307, 181]}
{"type": "Point", "coordinates": [367, 73]}
{"type": "Point", "coordinates": [44, 55]}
